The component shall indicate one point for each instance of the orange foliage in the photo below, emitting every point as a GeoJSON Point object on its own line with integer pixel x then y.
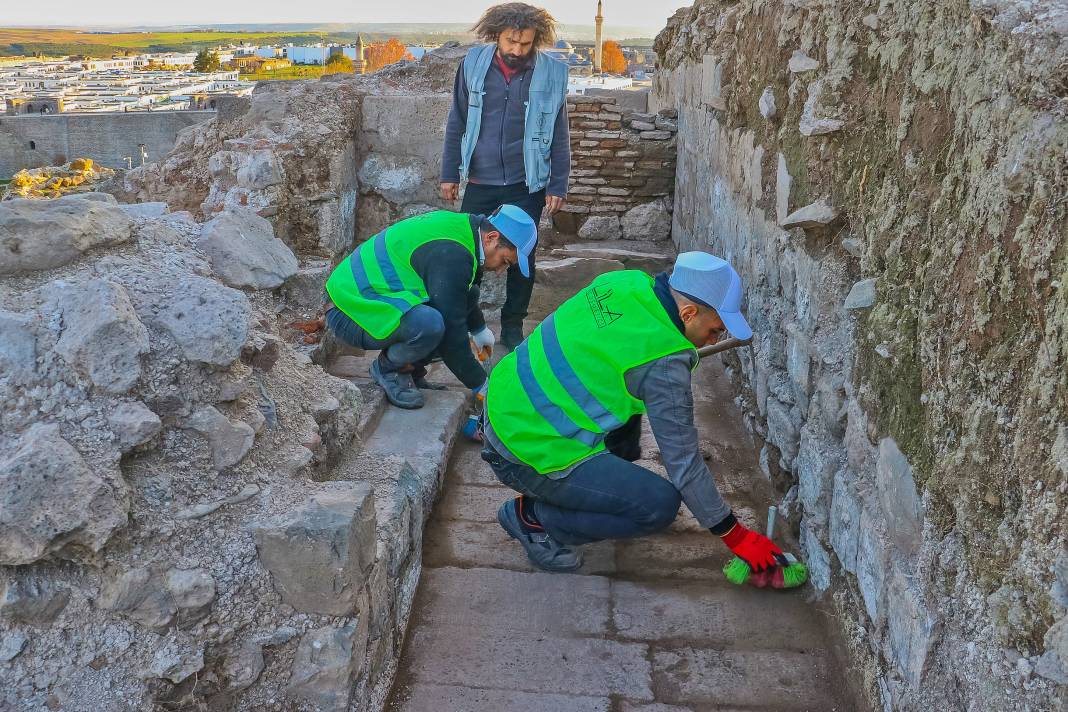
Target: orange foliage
{"type": "Point", "coordinates": [612, 59]}
{"type": "Point", "coordinates": [380, 54]}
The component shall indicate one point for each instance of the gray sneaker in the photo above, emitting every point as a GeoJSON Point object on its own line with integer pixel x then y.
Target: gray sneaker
{"type": "Point", "coordinates": [542, 550]}
{"type": "Point", "coordinates": [399, 388]}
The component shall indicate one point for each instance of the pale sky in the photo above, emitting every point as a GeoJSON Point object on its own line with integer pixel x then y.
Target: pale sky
{"type": "Point", "coordinates": [70, 13]}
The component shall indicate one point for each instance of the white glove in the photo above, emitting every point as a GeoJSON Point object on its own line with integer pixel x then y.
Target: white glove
{"type": "Point", "coordinates": [483, 341]}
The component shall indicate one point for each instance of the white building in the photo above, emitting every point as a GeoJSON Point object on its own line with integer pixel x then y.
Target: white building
{"type": "Point", "coordinates": [579, 85]}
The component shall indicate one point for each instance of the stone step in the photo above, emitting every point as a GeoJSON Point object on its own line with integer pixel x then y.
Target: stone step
{"type": "Point", "coordinates": [486, 600]}
{"type": "Point", "coordinates": [653, 258]}
{"type": "Point", "coordinates": [423, 437]}
{"type": "Point", "coordinates": [514, 661]}
{"type": "Point", "coordinates": [485, 545]}
{"type": "Point", "coordinates": [700, 677]}
{"type": "Point", "coordinates": [715, 614]}
{"type": "Point", "coordinates": [455, 698]}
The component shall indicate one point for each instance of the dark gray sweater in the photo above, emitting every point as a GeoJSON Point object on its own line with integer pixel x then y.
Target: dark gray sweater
{"type": "Point", "coordinates": [498, 155]}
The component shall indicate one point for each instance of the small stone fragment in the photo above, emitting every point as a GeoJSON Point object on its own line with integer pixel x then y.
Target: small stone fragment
{"type": "Point", "coordinates": [767, 103]}
{"type": "Point", "coordinates": [326, 665]}
{"type": "Point", "coordinates": [134, 424]}
{"type": "Point", "coordinates": [1053, 664]}
{"type": "Point", "coordinates": [11, 645]}
{"type": "Point", "coordinates": [32, 600]}
{"type": "Point", "coordinates": [171, 664]}
{"type": "Point", "coordinates": [871, 21]}
{"type": "Point", "coordinates": [642, 126]}
{"type": "Point", "coordinates": [810, 124]}
{"type": "Point", "coordinates": [145, 210]}
{"type": "Point", "coordinates": [193, 591]}
{"type": "Point", "coordinates": [801, 62]}
{"type": "Point", "coordinates": [244, 666]}
{"type": "Point", "coordinates": [230, 440]}
{"type": "Point", "coordinates": [139, 595]}
{"type": "Point", "coordinates": [862, 295]}
{"type": "Point", "coordinates": [813, 215]}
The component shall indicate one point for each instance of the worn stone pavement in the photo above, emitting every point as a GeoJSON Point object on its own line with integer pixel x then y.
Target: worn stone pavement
{"type": "Point", "coordinates": [647, 625]}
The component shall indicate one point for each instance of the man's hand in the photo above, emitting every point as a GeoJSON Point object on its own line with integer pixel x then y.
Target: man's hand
{"type": "Point", "coordinates": [553, 203]}
{"type": "Point", "coordinates": [483, 342]}
{"type": "Point", "coordinates": [450, 191]}
{"type": "Point", "coordinates": [752, 547]}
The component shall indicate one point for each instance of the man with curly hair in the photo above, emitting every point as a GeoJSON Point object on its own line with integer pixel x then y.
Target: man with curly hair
{"type": "Point", "coordinates": [507, 133]}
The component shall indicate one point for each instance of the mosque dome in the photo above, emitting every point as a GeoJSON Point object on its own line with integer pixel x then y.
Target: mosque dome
{"type": "Point", "coordinates": [562, 44]}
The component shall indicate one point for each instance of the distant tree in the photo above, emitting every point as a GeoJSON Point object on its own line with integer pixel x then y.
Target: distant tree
{"type": "Point", "coordinates": [380, 54]}
{"type": "Point", "coordinates": [206, 61]}
{"type": "Point", "coordinates": [612, 59]}
{"type": "Point", "coordinates": [338, 63]}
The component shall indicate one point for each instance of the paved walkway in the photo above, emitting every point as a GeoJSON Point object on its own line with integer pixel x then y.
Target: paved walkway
{"type": "Point", "coordinates": [647, 625]}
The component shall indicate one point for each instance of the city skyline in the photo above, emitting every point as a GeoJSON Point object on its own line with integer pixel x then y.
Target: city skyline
{"type": "Point", "coordinates": [126, 13]}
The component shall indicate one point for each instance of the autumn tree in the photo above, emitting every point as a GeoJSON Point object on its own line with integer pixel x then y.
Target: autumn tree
{"type": "Point", "coordinates": [612, 59]}
{"type": "Point", "coordinates": [206, 61]}
{"type": "Point", "coordinates": [338, 63]}
{"type": "Point", "coordinates": [380, 54]}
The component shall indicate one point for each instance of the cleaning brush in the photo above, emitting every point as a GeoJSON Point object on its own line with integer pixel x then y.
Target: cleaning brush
{"type": "Point", "coordinates": [790, 573]}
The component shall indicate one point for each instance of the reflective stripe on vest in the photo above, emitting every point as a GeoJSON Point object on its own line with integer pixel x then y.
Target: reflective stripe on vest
{"type": "Point", "coordinates": [375, 285]}
{"type": "Point", "coordinates": [553, 399]}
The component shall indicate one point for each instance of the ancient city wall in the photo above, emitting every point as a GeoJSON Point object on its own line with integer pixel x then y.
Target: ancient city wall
{"type": "Point", "coordinates": [890, 180]}
{"type": "Point", "coordinates": [106, 138]}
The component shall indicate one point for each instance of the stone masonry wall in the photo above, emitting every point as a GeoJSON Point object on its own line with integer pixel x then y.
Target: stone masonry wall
{"type": "Point", "coordinates": [622, 171]}
{"type": "Point", "coordinates": [890, 180]}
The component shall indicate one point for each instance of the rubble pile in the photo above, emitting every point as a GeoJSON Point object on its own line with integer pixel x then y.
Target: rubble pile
{"type": "Point", "coordinates": [78, 176]}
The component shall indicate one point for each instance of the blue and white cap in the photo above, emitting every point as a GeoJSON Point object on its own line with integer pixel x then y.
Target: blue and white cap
{"type": "Point", "coordinates": [711, 281]}
{"type": "Point", "coordinates": [519, 229]}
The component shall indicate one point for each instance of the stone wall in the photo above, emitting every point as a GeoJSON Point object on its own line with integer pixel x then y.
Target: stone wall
{"type": "Point", "coordinates": [889, 178]}
{"type": "Point", "coordinates": [106, 138]}
{"type": "Point", "coordinates": [622, 171]}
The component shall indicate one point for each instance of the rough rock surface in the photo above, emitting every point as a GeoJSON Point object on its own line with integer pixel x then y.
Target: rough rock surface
{"type": "Point", "coordinates": [51, 502]}
{"type": "Point", "coordinates": [918, 435]}
{"type": "Point", "coordinates": [37, 236]}
{"type": "Point", "coordinates": [650, 221]}
{"type": "Point", "coordinates": [601, 227]}
{"type": "Point", "coordinates": [229, 441]}
{"type": "Point", "coordinates": [244, 252]}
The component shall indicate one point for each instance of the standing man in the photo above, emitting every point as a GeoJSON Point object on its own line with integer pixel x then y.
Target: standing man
{"type": "Point", "coordinates": [411, 292]}
{"type": "Point", "coordinates": [564, 413]}
{"type": "Point", "coordinates": [507, 133]}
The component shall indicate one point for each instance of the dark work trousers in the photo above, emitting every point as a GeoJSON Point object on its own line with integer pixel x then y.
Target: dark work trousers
{"type": "Point", "coordinates": [480, 198]}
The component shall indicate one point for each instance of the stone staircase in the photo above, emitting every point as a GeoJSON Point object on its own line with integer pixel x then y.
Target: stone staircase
{"type": "Point", "coordinates": [648, 625]}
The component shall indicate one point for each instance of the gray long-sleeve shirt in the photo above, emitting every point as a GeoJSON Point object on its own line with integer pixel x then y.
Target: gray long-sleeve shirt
{"type": "Point", "coordinates": [498, 153]}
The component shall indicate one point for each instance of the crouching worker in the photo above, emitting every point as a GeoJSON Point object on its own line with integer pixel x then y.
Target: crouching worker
{"type": "Point", "coordinates": [564, 413]}
{"type": "Point", "coordinates": [411, 293]}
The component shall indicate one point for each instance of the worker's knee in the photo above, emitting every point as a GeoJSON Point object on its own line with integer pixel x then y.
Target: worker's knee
{"type": "Point", "coordinates": [661, 507]}
{"type": "Point", "coordinates": [423, 326]}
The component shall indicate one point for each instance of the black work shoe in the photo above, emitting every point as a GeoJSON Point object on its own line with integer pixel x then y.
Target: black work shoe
{"type": "Point", "coordinates": [543, 551]}
{"type": "Point", "coordinates": [511, 337]}
{"type": "Point", "coordinates": [399, 388]}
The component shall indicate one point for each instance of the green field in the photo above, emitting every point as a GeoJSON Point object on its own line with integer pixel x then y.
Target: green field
{"type": "Point", "coordinates": [61, 43]}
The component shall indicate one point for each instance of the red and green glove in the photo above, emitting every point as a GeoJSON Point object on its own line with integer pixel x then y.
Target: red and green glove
{"type": "Point", "coordinates": [752, 547]}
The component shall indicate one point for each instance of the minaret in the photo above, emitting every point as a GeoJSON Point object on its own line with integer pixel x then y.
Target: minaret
{"type": "Point", "coordinates": [359, 66]}
{"type": "Point", "coordinates": [597, 42]}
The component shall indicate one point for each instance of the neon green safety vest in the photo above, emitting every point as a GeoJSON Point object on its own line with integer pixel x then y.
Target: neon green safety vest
{"type": "Point", "coordinates": [376, 285]}
{"type": "Point", "coordinates": [553, 399]}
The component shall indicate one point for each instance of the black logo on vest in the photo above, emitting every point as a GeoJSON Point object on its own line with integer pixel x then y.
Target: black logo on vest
{"type": "Point", "coordinates": [598, 300]}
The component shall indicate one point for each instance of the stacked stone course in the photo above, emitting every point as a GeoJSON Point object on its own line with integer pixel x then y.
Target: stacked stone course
{"type": "Point", "coordinates": [620, 159]}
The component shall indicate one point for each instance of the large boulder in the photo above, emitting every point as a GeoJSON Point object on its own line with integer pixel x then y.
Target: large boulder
{"type": "Point", "coordinates": [244, 252]}
{"type": "Point", "coordinates": [320, 555]}
{"type": "Point", "coordinates": [51, 502]}
{"type": "Point", "coordinates": [42, 234]}
{"type": "Point", "coordinates": [102, 336]}
{"type": "Point", "coordinates": [601, 227]}
{"type": "Point", "coordinates": [648, 221]}
{"type": "Point", "coordinates": [33, 600]}
{"type": "Point", "coordinates": [208, 321]}
{"type": "Point", "coordinates": [133, 424]}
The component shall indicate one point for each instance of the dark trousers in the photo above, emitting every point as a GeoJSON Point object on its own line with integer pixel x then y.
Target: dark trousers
{"type": "Point", "coordinates": [606, 497]}
{"type": "Point", "coordinates": [479, 198]}
{"type": "Point", "coordinates": [413, 342]}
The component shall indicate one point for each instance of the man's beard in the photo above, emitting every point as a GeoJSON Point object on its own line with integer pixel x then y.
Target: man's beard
{"type": "Point", "coordinates": [513, 62]}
